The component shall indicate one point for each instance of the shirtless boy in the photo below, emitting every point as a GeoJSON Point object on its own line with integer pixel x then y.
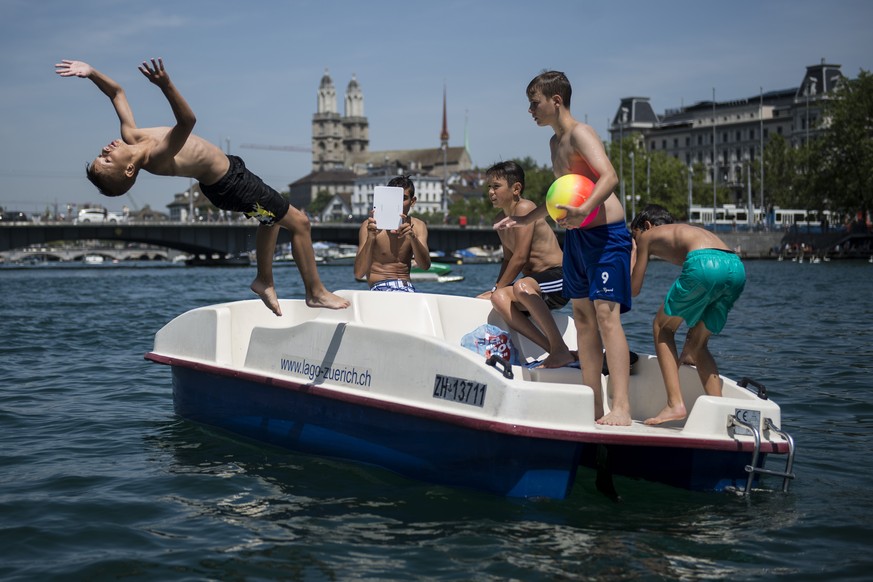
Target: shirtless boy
{"type": "Point", "coordinates": [533, 251]}
{"type": "Point", "coordinates": [596, 257]}
{"type": "Point", "coordinates": [712, 279]}
{"type": "Point", "coordinates": [385, 257]}
{"type": "Point", "coordinates": [224, 180]}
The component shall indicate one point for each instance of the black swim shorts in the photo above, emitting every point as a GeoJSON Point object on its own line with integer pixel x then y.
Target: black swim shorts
{"type": "Point", "coordinates": [239, 190]}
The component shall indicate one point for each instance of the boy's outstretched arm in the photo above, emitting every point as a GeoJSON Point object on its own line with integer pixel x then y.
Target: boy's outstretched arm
{"type": "Point", "coordinates": [185, 118]}
{"type": "Point", "coordinates": [639, 263]}
{"type": "Point", "coordinates": [522, 219]}
{"type": "Point", "coordinates": [68, 68]}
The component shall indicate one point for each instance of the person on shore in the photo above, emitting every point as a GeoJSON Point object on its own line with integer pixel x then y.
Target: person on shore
{"type": "Point", "coordinates": [384, 257]}
{"type": "Point", "coordinates": [712, 279]}
{"type": "Point", "coordinates": [597, 256]}
{"type": "Point", "coordinates": [533, 252]}
{"type": "Point", "coordinates": [224, 179]}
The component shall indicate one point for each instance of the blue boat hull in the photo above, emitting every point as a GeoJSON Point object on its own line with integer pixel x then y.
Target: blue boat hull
{"type": "Point", "coordinates": [436, 451]}
{"type": "Point", "coordinates": [686, 468]}
{"type": "Point", "coordinates": [416, 447]}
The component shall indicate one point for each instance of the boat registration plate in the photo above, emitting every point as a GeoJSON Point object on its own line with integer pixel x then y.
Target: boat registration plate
{"type": "Point", "coordinates": [459, 390]}
{"type": "Point", "coordinates": [752, 417]}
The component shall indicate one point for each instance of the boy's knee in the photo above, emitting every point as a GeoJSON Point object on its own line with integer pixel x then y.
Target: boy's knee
{"type": "Point", "coordinates": [296, 219]}
{"type": "Point", "coordinates": [522, 289]}
{"type": "Point", "coordinates": [502, 297]}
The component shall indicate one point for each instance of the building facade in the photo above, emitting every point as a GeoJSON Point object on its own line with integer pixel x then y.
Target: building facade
{"type": "Point", "coordinates": [344, 167]}
{"type": "Point", "coordinates": [725, 137]}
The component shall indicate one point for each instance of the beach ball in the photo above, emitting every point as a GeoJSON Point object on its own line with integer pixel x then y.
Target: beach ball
{"type": "Point", "coordinates": [569, 190]}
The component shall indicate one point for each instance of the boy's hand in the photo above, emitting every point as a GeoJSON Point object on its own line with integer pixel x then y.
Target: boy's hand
{"type": "Point", "coordinates": [405, 228]}
{"type": "Point", "coordinates": [505, 223]}
{"type": "Point", "coordinates": [68, 68]}
{"type": "Point", "coordinates": [574, 217]}
{"type": "Point", "coordinates": [372, 228]}
{"type": "Point", "coordinates": [155, 73]}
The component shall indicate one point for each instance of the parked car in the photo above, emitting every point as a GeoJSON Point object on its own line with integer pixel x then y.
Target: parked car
{"type": "Point", "coordinates": [13, 216]}
{"type": "Point", "coordinates": [87, 215]}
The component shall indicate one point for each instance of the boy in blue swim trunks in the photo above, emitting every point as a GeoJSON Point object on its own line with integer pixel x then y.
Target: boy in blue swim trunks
{"type": "Point", "coordinates": [597, 257]}
{"type": "Point", "coordinates": [711, 281]}
{"type": "Point", "coordinates": [224, 180]}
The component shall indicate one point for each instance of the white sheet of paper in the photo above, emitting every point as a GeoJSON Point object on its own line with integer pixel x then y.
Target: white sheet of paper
{"type": "Point", "coordinates": [387, 206]}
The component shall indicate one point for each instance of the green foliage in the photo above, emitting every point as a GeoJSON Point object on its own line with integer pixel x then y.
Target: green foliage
{"type": "Point", "coordinates": [429, 217]}
{"type": "Point", "coordinates": [321, 200]}
{"type": "Point", "coordinates": [537, 180]}
{"type": "Point", "coordinates": [657, 178]}
{"type": "Point", "coordinates": [845, 150]}
{"type": "Point", "coordinates": [477, 210]}
{"type": "Point", "coordinates": [480, 211]}
{"type": "Point", "coordinates": [780, 161]}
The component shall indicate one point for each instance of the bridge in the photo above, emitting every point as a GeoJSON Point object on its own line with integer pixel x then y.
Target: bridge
{"type": "Point", "coordinates": [234, 238]}
{"type": "Point", "coordinates": [210, 238]}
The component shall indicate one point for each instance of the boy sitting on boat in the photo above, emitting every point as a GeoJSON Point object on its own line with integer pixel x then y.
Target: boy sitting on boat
{"type": "Point", "coordinates": [532, 251]}
{"type": "Point", "coordinates": [712, 279]}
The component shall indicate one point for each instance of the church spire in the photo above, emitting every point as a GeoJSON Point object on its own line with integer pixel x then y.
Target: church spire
{"type": "Point", "coordinates": [444, 134]}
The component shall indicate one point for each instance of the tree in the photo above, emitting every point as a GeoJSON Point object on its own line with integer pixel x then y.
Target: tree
{"type": "Point", "coordinates": [780, 174]}
{"type": "Point", "coordinates": [654, 177]}
{"type": "Point", "coordinates": [477, 210]}
{"type": "Point", "coordinates": [537, 180]}
{"type": "Point", "coordinates": [846, 148]}
{"type": "Point", "coordinates": [661, 179]}
{"type": "Point", "coordinates": [321, 200]}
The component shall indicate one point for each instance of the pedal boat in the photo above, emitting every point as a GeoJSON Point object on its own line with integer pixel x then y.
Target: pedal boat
{"type": "Point", "coordinates": [386, 382]}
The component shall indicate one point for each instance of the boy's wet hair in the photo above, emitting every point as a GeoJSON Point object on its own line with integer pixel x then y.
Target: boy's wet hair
{"type": "Point", "coordinates": [655, 214]}
{"type": "Point", "coordinates": [551, 83]}
{"type": "Point", "coordinates": [404, 182]}
{"type": "Point", "coordinates": [509, 170]}
{"type": "Point", "coordinates": [105, 184]}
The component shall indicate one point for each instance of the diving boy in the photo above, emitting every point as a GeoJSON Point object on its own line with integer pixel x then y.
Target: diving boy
{"type": "Point", "coordinates": [224, 179]}
{"type": "Point", "coordinates": [712, 279]}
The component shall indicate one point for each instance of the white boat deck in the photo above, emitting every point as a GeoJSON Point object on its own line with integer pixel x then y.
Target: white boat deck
{"type": "Point", "coordinates": [393, 349]}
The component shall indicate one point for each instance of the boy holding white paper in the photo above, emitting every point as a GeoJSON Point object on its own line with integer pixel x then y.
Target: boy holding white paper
{"type": "Point", "coordinates": [388, 244]}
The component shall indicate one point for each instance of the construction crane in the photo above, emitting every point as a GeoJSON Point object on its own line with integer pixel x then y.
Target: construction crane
{"type": "Point", "coordinates": [277, 148]}
{"type": "Point", "coordinates": [132, 202]}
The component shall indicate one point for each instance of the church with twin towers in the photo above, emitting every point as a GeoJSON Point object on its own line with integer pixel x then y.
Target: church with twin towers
{"type": "Point", "coordinates": [337, 138]}
{"type": "Point", "coordinates": [344, 167]}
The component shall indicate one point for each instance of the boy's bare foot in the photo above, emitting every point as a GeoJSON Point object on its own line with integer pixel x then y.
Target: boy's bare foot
{"type": "Point", "coordinates": [267, 293]}
{"type": "Point", "coordinates": [558, 360]}
{"type": "Point", "coordinates": [669, 413]}
{"type": "Point", "coordinates": [327, 300]}
{"type": "Point", "coordinates": [615, 418]}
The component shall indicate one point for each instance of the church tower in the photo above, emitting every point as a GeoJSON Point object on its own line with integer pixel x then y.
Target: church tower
{"type": "Point", "coordinates": [356, 129]}
{"type": "Point", "coordinates": [327, 129]}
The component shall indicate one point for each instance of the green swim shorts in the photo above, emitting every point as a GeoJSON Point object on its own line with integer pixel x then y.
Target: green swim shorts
{"type": "Point", "coordinates": [710, 283]}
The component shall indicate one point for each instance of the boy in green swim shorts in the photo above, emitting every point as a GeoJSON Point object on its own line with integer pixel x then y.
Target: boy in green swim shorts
{"type": "Point", "coordinates": [711, 281]}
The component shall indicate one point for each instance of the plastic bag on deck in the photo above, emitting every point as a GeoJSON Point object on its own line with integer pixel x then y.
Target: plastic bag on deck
{"type": "Point", "coordinates": [489, 339]}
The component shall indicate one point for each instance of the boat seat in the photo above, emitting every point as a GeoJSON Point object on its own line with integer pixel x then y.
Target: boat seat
{"type": "Point", "coordinates": [398, 312]}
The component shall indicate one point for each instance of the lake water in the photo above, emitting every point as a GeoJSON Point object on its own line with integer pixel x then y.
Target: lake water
{"type": "Point", "coordinates": [100, 480]}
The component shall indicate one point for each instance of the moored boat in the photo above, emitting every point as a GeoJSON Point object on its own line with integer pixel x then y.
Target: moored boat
{"type": "Point", "coordinates": [478, 255]}
{"type": "Point", "coordinates": [387, 382]}
{"type": "Point", "coordinates": [437, 272]}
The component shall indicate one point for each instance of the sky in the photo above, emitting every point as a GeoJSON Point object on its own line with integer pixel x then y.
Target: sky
{"type": "Point", "coordinates": [250, 71]}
